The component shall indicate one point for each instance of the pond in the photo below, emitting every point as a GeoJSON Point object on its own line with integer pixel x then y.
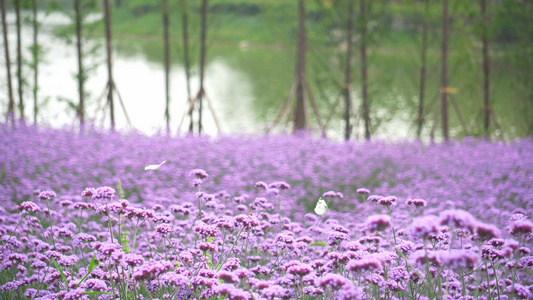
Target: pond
{"type": "Point", "coordinates": [247, 84]}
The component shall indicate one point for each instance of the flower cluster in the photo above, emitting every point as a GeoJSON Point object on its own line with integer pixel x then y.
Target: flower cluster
{"type": "Point", "coordinates": [471, 237]}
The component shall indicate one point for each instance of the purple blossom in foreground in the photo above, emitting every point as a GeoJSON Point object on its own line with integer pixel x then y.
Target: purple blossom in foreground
{"type": "Point", "coordinates": [378, 223]}
{"type": "Point", "coordinates": [28, 206]}
{"type": "Point", "coordinates": [234, 239]}
{"type": "Point", "coordinates": [458, 218]}
{"type": "Point", "coordinates": [423, 227]}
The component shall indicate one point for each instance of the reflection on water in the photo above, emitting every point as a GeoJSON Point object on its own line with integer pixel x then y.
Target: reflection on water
{"type": "Point", "coordinates": [140, 83]}
{"type": "Point", "coordinates": [246, 86]}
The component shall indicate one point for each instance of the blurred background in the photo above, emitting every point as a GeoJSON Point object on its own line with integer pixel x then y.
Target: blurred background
{"type": "Point", "coordinates": [347, 69]}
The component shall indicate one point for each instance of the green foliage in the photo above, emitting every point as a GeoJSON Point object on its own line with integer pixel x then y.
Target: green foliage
{"type": "Point", "coordinates": [92, 265]}
{"type": "Point", "coordinates": [56, 265]}
{"type": "Point", "coordinates": [318, 243]}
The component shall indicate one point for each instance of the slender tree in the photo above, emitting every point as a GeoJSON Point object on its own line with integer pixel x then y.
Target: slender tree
{"type": "Point", "coordinates": [11, 103]}
{"type": "Point", "coordinates": [486, 68]}
{"type": "Point", "coordinates": [364, 75]}
{"type": "Point", "coordinates": [423, 58]}
{"type": "Point", "coordinates": [35, 49]}
{"type": "Point", "coordinates": [203, 33]}
{"type": "Point", "coordinates": [110, 82]}
{"type": "Point", "coordinates": [300, 112]}
{"type": "Point", "coordinates": [19, 60]}
{"type": "Point", "coordinates": [81, 71]}
{"type": "Point", "coordinates": [444, 71]}
{"type": "Point", "coordinates": [186, 61]}
{"type": "Point", "coordinates": [348, 72]}
{"type": "Point", "coordinates": [164, 10]}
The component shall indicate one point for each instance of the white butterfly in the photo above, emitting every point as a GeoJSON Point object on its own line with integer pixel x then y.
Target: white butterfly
{"type": "Point", "coordinates": [154, 167]}
{"type": "Point", "coordinates": [321, 207]}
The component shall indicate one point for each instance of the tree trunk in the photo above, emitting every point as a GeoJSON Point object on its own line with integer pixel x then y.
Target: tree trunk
{"type": "Point", "coordinates": [486, 69]}
{"type": "Point", "coordinates": [109, 49]}
{"type": "Point", "coordinates": [300, 111]}
{"type": "Point", "coordinates": [167, 64]}
{"type": "Point", "coordinates": [35, 54]}
{"type": "Point", "coordinates": [202, 63]}
{"type": "Point", "coordinates": [186, 61]}
{"type": "Point", "coordinates": [423, 55]}
{"type": "Point", "coordinates": [81, 72]}
{"type": "Point", "coordinates": [444, 71]}
{"type": "Point", "coordinates": [11, 104]}
{"type": "Point", "coordinates": [19, 60]}
{"type": "Point", "coordinates": [348, 72]}
{"type": "Point", "coordinates": [364, 76]}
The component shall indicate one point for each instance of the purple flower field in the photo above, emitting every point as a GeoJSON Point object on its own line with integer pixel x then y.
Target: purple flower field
{"type": "Point", "coordinates": [240, 218]}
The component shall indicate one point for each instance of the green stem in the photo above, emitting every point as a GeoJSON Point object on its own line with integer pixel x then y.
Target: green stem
{"type": "Point", "coordinates": [51, 225]}
{"type": "Point", "coordinates": [11, 234]}
{"type": "Point", "coordinates": [497, 281]}
{"type": "Point", "coordinates": [229, 253]}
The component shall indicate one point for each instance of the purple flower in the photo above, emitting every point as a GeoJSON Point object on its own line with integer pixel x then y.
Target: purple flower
{"type": "Point", "coordinates": [104, 193]}
{"type": "Point", "coordinates": [459, 259]}
{"type": "Point", "coordinates": [96, 285]}
{"type": "Point", "coordinates": [208, 247]}
{"type": "Point", "coordinates": [374, 198]}
{"type": "Point", "coordinates": [47, 195]}
{"type": "Point", "coordinates": [239, 200]}
{"type": "Point", "coordinates": [272, 192]}
{"type": "Point", "coordinates": [17, 257]}
{"type": "Point", "coordinates": [458, 219]}
{"type": "Point", "coordinates": [206, 231]}
{"type": "Point", "coordinates": [405, 247]}
{"type": "Point", "coordinates": [332, 281]}
{"type": "Point", "coordinates": [367, 263]}
{"type": "Point", "coordinates": [151, 270]}
{"type": "Point", "coordinates": [133, 259]}
{"type": "Point", "coordinates": [174, 280]}
{"type": "Point", "coordinates": [299, 269]}
{"type": "Point", "coordinates": [74, 294]}
{"type": "Point", "coordinates": [232, 292]}
{"type": "Point", "coordinates": [284, 241]}
{"type": "Point", "coordinates": [28, 206]}
{"type": "Point", "coordinates": [275, 291]}
{"type": "Point", "coordinates": [280, 185]}
{"type": "Point", "coordinates": [387, 201]}
{"type": "Point", "coordinates": [88, 192]}
{"type": "Point", "coordinates": [330, 194]}
{"type": "Point", "coordinates": [164, 229]}
{"type": "Point", "coordinates": [416, 202]}
{"type": "Point", "coordinates": [487, 231]}
{"type": "Point", "coordinates": [227, 276]}
{"type": "Point", "coordinates": [335, 237]}
{"type": "Point", "coordinates": [231, 264]}
{"type": "Point", "coordinates": [246, 221]}
{"type": "Point", "coordinates": [521, 226]}
{"type": "Point", "coordinates": [313, 291]}
{"type": "Point", "coordinates": [261, 185]}
{"type": "Point", "coordinates": [351, 292]}
{"type": "Point", "coordinates": [517, 217]}
{"type": "Point", "coordinates": [521, 291]}
{"type": "Point", "coordinates": [423, 227]}
{"type": "Point", "coordinates": [363, 191]}
{"type": "Point", "coordinates": [378, 222]}
{"type": "Point", "coordinates": [399, 274]}
{"type": "Point", "coordinates": [199, 174]}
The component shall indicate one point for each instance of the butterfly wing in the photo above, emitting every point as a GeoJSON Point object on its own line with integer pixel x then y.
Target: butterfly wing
{"type": "Point", "coordinates": [321, 207]}
{"type": "Point", "coordinates": [154, 167]}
